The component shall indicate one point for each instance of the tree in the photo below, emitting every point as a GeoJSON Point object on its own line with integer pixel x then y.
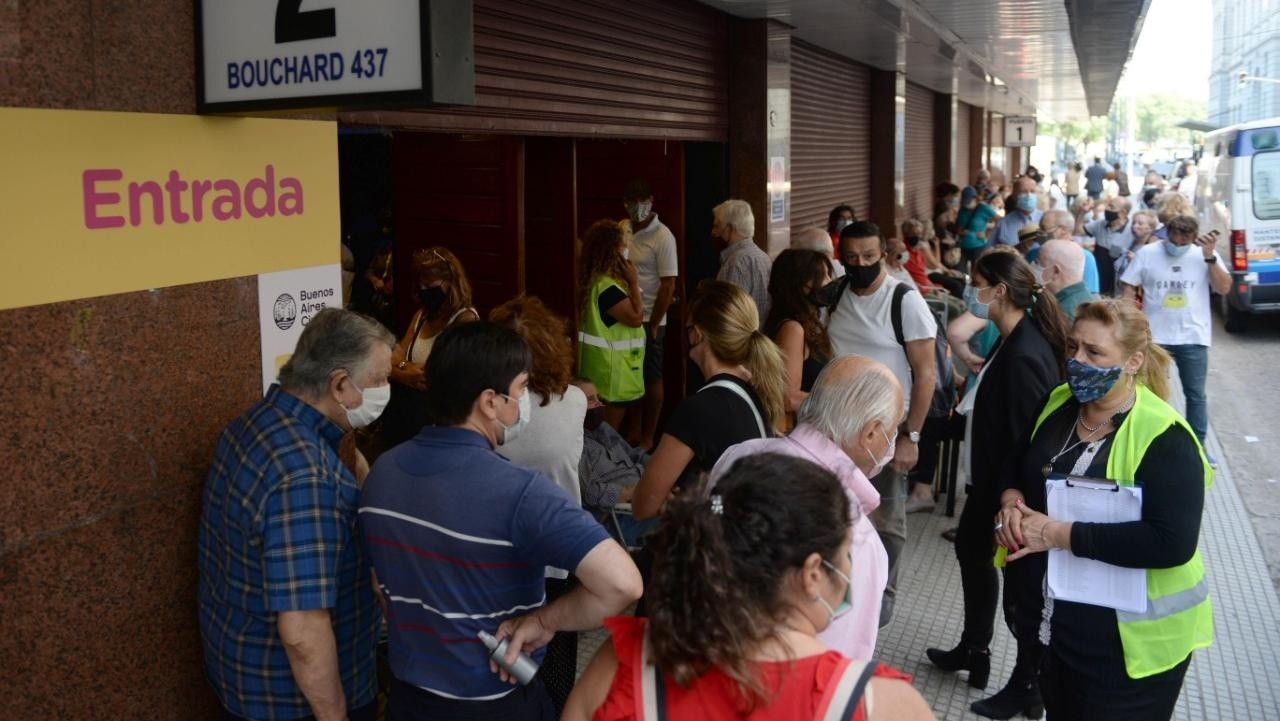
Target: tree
{"type": "Point", "coordinates": [1158, 117]}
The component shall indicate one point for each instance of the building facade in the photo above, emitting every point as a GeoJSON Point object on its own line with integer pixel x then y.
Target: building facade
{"type": "Point", "coordinates": [1246, 39]}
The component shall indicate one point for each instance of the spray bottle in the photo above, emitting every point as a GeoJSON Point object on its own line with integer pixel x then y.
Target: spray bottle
{"type": "Point", "coordinates": [524, 668]}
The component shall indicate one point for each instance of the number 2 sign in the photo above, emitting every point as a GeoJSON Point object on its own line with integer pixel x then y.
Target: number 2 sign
{"type": "Point", "coordinates": [1019, 131]}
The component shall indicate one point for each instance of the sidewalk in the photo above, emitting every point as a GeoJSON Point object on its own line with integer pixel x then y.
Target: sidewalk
{"type": "Point", "coordinates": [1233, 679]}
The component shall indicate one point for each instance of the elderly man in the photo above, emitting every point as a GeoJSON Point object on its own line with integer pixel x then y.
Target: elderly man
{"type": "Point", "coordinates": [1059, 225]}
{"type": "Point", "coordinates": [742, 262]}
{"type": "Point", "coordinates": [1113, 237]}
{"type": "Point", "coordinates": [818, 241]}
{"type": "Point", "coordinates": [1024, 190]}
{"type": "Point", "coordinates": [1061, 270]}
{"type": "Point", "coordinates": [459, 538]}
{"type": "Point", "coordinates": [288, 620]}
{"type": "Point", "coordinates": [1176, 277]}
{"type": "Point", "coordinates": [847, 425]}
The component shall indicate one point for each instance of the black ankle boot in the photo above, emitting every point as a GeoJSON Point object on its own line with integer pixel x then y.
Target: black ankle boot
{"type": "Point", "coordinates": [1017, 697]}
{"type": "Point", "coordinates": [977, 661]}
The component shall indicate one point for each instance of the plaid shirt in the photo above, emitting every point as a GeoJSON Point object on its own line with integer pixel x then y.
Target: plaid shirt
{"type": "Point", "coordinates": [277, 533]}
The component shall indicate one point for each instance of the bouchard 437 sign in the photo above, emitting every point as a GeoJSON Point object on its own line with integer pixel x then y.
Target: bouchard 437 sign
{"type": "Point", "coordinates": [273, 54]}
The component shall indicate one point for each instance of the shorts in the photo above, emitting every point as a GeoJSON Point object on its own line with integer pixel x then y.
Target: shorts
{"type": "Point", "coordinates": [653, 355]}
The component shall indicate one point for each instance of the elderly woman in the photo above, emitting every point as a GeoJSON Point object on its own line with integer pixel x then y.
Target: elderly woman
{"type": "Point", "coordinates": [1111, 420]}
{"type": "Point", "coordinates": [844, 425]}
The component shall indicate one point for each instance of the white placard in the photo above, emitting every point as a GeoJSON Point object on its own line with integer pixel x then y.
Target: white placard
{"type": "Point", "coordinates": [254, 50]}
{"type": "Point", "coordinates": [287, 301]}
{"type": "Point", "coordinates": [1019, 131]}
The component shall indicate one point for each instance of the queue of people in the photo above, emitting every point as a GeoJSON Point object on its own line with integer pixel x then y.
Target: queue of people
{"type": "Point", "coordinates": [525, 491]}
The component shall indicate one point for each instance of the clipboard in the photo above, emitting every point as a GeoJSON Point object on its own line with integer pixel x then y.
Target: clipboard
{"type": "Point", "coordinates": [1085, 580]}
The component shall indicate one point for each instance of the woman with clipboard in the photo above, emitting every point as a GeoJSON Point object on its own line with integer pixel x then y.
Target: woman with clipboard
{"type": "Point", "coordinates": [1111, 421]}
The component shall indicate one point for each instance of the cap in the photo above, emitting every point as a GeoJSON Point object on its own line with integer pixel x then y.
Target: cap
{"type": "Point", "coordinates": [968, 194]}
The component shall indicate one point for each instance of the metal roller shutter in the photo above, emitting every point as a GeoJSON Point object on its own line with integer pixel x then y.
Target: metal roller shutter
{"type": "Point", "coordinates": [830, 135]}
{"type": "Point", "coordinates": [964, 139]}
{"type": "Point", "coordinates": [918, 153]}
{"type": "Point", "coordinates": [580, 68]}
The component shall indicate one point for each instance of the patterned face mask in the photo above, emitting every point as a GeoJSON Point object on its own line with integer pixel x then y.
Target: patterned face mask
{"type": "Point", "coordinates": [1089, 383]}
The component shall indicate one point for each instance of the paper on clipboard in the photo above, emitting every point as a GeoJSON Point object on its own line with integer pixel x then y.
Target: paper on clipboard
{"type": "Point", "coordinates": [1084, 580]}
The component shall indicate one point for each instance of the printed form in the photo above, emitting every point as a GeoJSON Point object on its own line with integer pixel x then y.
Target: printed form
{"type": "Point", "coordinates": [1084, 580]}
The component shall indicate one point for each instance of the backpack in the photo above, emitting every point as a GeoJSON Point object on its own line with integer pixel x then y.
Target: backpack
{"type": "Point", "coordinates": [945, 395]}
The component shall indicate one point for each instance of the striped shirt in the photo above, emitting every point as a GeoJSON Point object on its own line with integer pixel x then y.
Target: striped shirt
{"type": "Point", "coordinates": [277, 533]}
{"type": "Point", "coordinates": [459, 538]}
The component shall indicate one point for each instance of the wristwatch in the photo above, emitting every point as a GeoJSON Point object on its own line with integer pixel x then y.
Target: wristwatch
{"type": "Point", "coordinates": [1211, 260]}
{"type": "Point", "coordinates": [400, 365]}
{"type": "Point", "coordinates": [913, 436]}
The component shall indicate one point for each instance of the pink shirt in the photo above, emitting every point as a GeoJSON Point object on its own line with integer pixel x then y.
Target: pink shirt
{"type": "Point", "coordinates": [854, 634]}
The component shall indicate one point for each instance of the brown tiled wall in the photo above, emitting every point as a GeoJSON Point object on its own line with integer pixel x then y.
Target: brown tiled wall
{"type": "Point", "coordinates": [112, 407]}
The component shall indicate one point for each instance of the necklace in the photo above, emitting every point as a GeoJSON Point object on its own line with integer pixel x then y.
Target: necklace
{"type": "Point", "coordinates": [1047, 468]}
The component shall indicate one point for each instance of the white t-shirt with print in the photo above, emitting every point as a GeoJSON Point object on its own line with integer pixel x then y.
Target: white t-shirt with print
{"type": "Point", "coordinates": [653, 250]}
{"type": "Point", "coordinates": [863, 325]}
{"type": "Point", "coordinates": [1175, 293]}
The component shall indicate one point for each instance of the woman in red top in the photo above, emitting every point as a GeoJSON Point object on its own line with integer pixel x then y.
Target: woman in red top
{"type": "Point", "coordinates": [744, 579]}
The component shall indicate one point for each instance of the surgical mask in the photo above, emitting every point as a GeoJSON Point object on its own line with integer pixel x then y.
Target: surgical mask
{"type": "Point", "coordinates": [373, 401]}
{"type": "Point", "coordinates": [1027, 202]}
{"type": "Point", "coordinates": [432, 299]}
{"type": "Point", "coordinates": [512, 432]}
{"type": "Point", "coordinates": [842, 224]}
{"type": "Point", "coordinates": [878, 464]}
{"type": "Point", "coordinates": [846, 603]}
{"type": "Point", "coordinates": [594, 418]}
{"type": "Point", "coordinates": [1111, 216]}
{"type": "Point", "coordinates": [861, 276]}
{"type": "Point", "coordinates": [641, 210]}
{"type": "Point", "coordinates": [626, 254]}
{"type": "Point", "coordinates": [974, 304]}
{"type": "Point", "coordinates": [904, 257]}
{"type": "Point", "coordinates": [1089, 383]}
{"type": "Point", "coordinates": [1039, 273]}
{"type": "Point", "coordinates": [1176, 250]}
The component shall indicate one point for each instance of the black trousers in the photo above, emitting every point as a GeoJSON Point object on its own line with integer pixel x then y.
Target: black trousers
{"type": "Point", "coordinates": [1106, 270]}
{"type": "Point", "coordinates": [1072, 696]}
{"type": "Point", "coordinates": [559, 669]}
{"type": "Point", "coordinates": [524, 703]}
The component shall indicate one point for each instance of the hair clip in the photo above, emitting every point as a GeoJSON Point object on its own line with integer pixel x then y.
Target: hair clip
{"type": "Point", "coordinates": [717, 505]}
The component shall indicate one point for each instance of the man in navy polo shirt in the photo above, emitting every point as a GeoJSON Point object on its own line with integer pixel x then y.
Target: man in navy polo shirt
{"type": "Point", "coordinates": [459, 538]}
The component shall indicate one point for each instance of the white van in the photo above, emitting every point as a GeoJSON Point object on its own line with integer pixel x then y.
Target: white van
{"type": "Point", "coordinates": [1239, 196]}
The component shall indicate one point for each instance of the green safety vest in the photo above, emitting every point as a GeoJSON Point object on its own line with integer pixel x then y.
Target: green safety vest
{"type": "Point", "coordinates": [1179, 617]}
{"type": "Point", "coordinates": [612, 357]}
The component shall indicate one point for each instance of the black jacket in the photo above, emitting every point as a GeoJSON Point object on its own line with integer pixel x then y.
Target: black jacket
{"type": "Point", "coordinates": [1023, 369]}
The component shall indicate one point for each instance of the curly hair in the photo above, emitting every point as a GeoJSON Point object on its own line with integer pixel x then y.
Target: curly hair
{"type": "Point", "coordinates": [717, 590]}
{"type": "Point", "coordinates": [439, 263]}
{"type": "Point", "coordinates": [791, 270]}
{"type": "Point", "coordinates": [598, 256]}
{"type": "Point", "coordinates": [547, 336]}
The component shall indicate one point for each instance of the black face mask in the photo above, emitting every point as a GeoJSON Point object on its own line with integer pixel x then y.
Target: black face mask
{"type": "Point", "coordinates": [912, 240]}
{"type": "Point", "coordinates": [595, 417]}
{"type": "Point", "coordinates": [1111, 216]}
{"type": "Point", "coordinates": [432, 299]}
{"type": "Point", "coordinates": [861, 276]}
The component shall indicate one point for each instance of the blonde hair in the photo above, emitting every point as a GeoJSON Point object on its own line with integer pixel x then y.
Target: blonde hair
{"type": "Point", "coordinates": [1170, 205]}
{"type": "Point", "coordinates": [730, 321]}
{"type": "Point", "coordinates": [1132, 331]}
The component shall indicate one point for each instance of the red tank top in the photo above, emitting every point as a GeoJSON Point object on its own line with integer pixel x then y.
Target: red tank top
{"type": "Point", "coordinates": [798, 686]}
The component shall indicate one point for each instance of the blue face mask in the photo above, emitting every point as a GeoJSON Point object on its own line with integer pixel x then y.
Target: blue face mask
{"type": "Point", "coordinates": [1027, 202]}
{"type": "Point", "coordinates": [846, 603]}
{"type": "Point", "coordinates": [975, 306]}
{"type": "Point", "coordinates": [1176, 250]}
{"type": "Point", "coordinates": [1089, 383]}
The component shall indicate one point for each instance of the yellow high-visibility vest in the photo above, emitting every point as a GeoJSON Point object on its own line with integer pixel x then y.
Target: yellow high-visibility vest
{"type": "Point", "coordinates": [612, 357]}
{"type": "Point", "coordinates": [1179, 615]}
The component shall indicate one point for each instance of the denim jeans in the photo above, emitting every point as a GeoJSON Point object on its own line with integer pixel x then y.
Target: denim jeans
{"type": "Point", "coordinates": [1193, 366]}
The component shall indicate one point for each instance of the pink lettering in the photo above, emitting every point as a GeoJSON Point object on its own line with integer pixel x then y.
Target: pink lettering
{"type": "Point", "coordinates": [94, 199]}
{"type": "Point", "coordinates": [227, 205]}
{"type": "Point", "coordinates": [152, 188]}
{"type": "Point", "coordinates": [175, 185]}
{"type": "Point", "coordinates": [268, 187]}
{"type": "Point", "coordinates": [198, 190]}
{"type": "Point", "coordinates": [290, 196]}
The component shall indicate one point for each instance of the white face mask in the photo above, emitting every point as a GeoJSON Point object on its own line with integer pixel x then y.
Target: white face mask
{"type": "Point", "coordinates": [880, 463]}
{"type": "Point", "coordinates": [373, 401]}
{"type": "Point", "coordinates": [512, 432]}
{"type": "Point", "coordinates": [626, 254]}
{"type": "Point", "coordinates": [641, 210]}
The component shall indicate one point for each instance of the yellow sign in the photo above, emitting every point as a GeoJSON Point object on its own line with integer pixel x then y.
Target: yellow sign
{"type": "Point", "coordinates": [100, 203]}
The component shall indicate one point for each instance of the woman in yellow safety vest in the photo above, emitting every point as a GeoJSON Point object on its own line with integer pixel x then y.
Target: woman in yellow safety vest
{"type": "Point", "coordinates": [1111, 420]}
{"type": "Point", "coordinates": [611, 327]}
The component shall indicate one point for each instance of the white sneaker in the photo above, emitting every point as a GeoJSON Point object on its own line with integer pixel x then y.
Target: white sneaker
{"type": "Point", "coordinates": [916, 505]}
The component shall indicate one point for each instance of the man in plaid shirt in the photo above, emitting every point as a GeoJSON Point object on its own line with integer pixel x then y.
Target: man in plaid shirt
{"type": "Point", "coordinates": [288, 618]}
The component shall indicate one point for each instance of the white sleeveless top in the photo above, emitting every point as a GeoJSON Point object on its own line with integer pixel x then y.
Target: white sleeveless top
{"type": "Point", "coordinates": [420, 348]}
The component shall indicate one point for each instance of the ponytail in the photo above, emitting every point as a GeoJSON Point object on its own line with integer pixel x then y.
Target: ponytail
{"type": "Point", "coordinates": [1154, 373]}
{"type": "Point", "coordinates": [768, 377]}
{"type": "Point", "coordinates": [1046, 313]}
{"type": "Point", "coordinates": [1010, 270]}
{"type": "Point", "coordinates": [721, 564]}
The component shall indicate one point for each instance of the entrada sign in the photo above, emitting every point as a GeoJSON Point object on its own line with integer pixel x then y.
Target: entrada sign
{"type": "Point", "coordinates": [272, 54]}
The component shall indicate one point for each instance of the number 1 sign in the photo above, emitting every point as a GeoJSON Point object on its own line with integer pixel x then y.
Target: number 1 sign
{"type": "Point", "coordinates": [1019, 131]}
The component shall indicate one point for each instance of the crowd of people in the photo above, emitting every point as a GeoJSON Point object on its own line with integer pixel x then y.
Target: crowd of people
{"type": "Point", "coordinates": [744, 554]}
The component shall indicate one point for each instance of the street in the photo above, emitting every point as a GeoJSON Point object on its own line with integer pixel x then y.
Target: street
{"type": "Point", "coordinates": [1244, 413]}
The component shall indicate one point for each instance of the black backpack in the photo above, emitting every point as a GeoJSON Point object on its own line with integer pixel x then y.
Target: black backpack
{"type": "Point", "coordinates": [945, 395]}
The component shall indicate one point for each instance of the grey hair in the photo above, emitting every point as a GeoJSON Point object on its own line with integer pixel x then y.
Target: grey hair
{"type": "Point", "coordinates": [839, 408]}
{"type": "Point", "coordinates": [738, 214]}
{"type": "Point", "coordinates": [335, 339]}
{"type": "Point", "coordinates": [815, 239]}
{"type": "Point", "coordinates": [1057, 218]}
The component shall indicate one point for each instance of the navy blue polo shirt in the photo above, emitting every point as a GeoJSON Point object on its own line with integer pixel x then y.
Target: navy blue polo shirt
{"type": "Point", "coordinates": [460, 538]}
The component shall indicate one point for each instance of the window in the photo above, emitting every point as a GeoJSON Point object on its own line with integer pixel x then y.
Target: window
{"type": "Point", "coordinates": [1266, 185]}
